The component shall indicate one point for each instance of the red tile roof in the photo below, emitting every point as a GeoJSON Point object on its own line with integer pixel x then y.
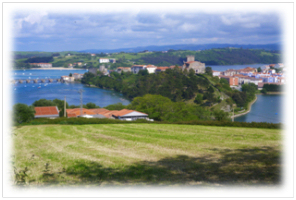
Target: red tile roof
{"type": "Point", "coordinates": [162, 68]}
{"type": "Point", "coordinates": [48, 110]}
{"type": "Point", "coordinates": [76, 112]}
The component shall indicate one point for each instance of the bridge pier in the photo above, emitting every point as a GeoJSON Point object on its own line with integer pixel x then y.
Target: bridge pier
{"type": "Point", "coordinates": [20, 81]}
{"type": "Point", "coordinates": [50, 80]}
{"type": "Point", "coordinates": [42, 80]}
{"type": "Point", "coordinates": [35, 80]}
{"type": "Point", "coordinates": [28, 81]}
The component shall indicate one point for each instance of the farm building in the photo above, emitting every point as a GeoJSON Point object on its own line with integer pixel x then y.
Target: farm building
{"type": "Point", "coordinates": [46, 112]}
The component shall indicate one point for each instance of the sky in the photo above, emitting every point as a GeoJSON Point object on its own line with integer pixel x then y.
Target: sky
{"type": "Point", "coordinates": [51, 31]}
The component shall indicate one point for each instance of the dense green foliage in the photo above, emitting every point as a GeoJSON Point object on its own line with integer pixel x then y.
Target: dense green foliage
{"type": "Point", "coordinates": [173, 83]}
{"type": "Point", "coordinates": [39, 60]}
{"type": "Point", "coordinates": [80, 121]}
{"type": "Point", "coordinates": [163, 109]}
{"type": "Point", "coordinates": [22, 113]}
{"type": "Point", "coordinates": [117, 106]}
{"type": "Point", "coordinates": [222, 56]}
{"type": "Point", "coordinates": [272, 88]}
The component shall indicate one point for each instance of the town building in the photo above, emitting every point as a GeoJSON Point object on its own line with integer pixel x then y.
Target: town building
{"type": "Point", "coordinates": [104, 60]}
{"type": "Point", "coordinates": [216, 73]}
{"type": "Point", "coordinates": [42, 65]}
{"type": "Point", "coordinates": [161, 69]}
{"type": "Point", "coordinates": [136, 68]}
{"type": "Point", "coordinates": [198, 67]}
{"type": "Point", "coordinates": [77, 76]}
{"type": "Point", "coordinates": [231, 80]}
{"type": "Point", "coordinates": [151, 69]}
{"type": "Point", "coordinates": [230, 72]}
{"type": "Point", "coordinates": [67, 79]}
{"type": "Point", "coordinates": [46, 112]}
{"type": "Point", "coordinates": [123, 69]}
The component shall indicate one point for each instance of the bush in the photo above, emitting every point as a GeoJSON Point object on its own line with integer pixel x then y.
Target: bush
{"type": "Point", "coordinates": [22, 113]}
{"type": "Point", "coordinates": [220, 115]}
{"type": "Point", "coordinates": [80, 121]}
{"type": "Point", "coordinates": [198, 99]}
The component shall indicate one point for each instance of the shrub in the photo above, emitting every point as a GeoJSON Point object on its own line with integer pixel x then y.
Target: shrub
{"type": "Point", "coordinates": [22, 113]}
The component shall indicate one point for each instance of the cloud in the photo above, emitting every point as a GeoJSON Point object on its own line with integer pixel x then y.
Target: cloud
{"type": "Point", "coordinates": [129, 30]}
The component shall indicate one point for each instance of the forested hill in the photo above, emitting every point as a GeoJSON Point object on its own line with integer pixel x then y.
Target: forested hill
{"type": "Point", "coordinates": [225, 56]}
{"type": "Point", "coordinates": [221, 56]}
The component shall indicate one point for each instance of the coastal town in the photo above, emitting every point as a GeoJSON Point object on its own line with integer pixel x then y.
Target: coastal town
{"type": "Point", "coordinates": [266, 74]}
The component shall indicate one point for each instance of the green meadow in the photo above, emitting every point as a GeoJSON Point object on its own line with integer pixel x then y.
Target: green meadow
{"type": "Point", "coordinates": [145, 154]}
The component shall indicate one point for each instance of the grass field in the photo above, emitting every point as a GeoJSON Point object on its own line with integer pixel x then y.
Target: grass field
{"type": "Point", "coordinates": [141, 154]}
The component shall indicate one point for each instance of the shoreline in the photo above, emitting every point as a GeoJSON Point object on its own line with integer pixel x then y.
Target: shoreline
{"type": "Point", "coordinates": [249, 109]}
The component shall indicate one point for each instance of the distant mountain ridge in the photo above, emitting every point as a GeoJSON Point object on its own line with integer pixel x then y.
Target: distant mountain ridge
{"type": "Point", "coordinates": [275, 46]}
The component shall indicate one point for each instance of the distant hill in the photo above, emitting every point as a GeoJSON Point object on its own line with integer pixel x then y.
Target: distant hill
{"type": "Point", "coordinates": [214, 56]}
{"type": "Point", "coordinates": [193, 47]}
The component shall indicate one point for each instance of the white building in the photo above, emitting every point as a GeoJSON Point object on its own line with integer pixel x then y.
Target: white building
{"type": "Point", "coordinates": [104, 60]}
{"type": "Point", "coordinates": [42, 65]}
{"type": "Point", "coordinates": [151, 69]}
{"type": "Point", "coordinates": [216, 73]}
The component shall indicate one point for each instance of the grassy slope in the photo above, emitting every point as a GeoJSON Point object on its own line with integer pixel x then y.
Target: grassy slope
{"type": "Point", "coordinates": [147, 154]}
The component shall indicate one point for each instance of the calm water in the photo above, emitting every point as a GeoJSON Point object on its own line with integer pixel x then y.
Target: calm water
{"type": "Point", "coordinates": [27, 93]}
{"type": "Point", "coordinates": [267, 108]}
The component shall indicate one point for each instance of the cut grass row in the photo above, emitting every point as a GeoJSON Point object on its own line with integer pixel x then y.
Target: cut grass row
{"type": "Point", "coordinates": [136, 154]}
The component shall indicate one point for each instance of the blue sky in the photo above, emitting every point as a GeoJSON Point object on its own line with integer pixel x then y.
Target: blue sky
{"type": "Point", "coordinates": [45, 31]}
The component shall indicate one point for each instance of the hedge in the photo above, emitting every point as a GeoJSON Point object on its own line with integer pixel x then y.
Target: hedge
{"type": "Point", "coordinates": [81, 121]}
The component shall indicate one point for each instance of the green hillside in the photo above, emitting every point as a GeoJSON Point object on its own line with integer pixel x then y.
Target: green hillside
{"type": "Point", "coordinates": [141, 154]}
{"type": "Point", "coordinates": [222, 56]}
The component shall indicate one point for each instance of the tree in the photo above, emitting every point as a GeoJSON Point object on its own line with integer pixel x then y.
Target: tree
{"type": "Point", "coordinates": [198, 99]}
{"type": "Point", "coordinates": [220, 115]}
{"type": "Point", "coordinates": [259, 69]}
{"type": "Point", "coordinates": [117, 106]}
{"type": "Point", "coordinates": [22, 113]}
{"type": "Point", "coordinates": [90, 105]}
{"type": "Point", "coordinates": [211, 89]}
{"type": "Point", "coordinates": [43, 102]}
{"type": "Point", "coordinates": [70, 74]}
{"type": "Point", "coordinates": [60, 104]}
{"type": "Point", "coordinates": [263, 91]}
{"type": "Point", "coordinates": [209, 71]}
{"type": "Point", "coordinates": [143, 72]}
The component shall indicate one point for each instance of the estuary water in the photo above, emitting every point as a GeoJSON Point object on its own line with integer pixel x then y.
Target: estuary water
{"type": "Point", "coordinates": [267, 108]}
{"type": "Point", "coordinates": [27, 93]}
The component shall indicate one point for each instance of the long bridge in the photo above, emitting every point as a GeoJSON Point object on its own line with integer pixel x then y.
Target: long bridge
{"type": "Point", "coordinates": [45, 80]}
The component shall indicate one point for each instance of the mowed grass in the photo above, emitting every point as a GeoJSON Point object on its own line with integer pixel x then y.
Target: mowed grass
{"type": "Point", "coordinates": [140, 154]}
